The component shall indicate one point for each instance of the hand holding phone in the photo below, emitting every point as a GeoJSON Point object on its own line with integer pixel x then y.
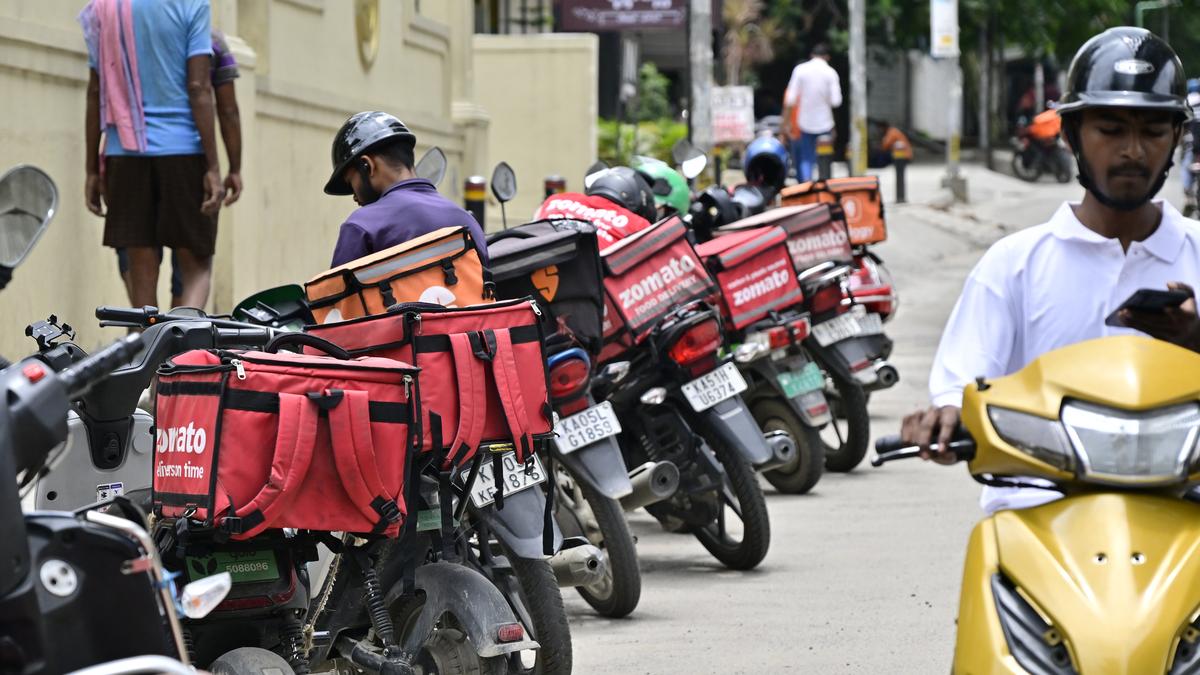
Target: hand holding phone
{"type": "Point", "coordinates": [1150, 301]}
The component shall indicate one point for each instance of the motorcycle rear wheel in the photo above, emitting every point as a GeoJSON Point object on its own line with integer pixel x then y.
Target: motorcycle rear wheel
{"type": "Point", "coordinates": [542, 599]}
{"type": "Point", "coordinates": [1021, 167]}
{"type": "Point", "coordinates": [856, 436]}
{"type": "Point", "coordinates": [248, 661]}
{"type": "Point", "coordinates": [741, 494]}
{"type": "Point", "coordinates": [447, 651]}
{"type": "Point", "coordinates": [801, 474]}
{"type": "Point", "coordinates": [602, 521]}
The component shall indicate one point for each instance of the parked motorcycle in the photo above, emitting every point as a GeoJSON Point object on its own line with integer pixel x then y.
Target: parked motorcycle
{"type": "Point", "coordinates": [1038, 148]}
{"type": "Point", "coordinates": [1103, 579]}
{"type": "Point", "coordinates": [67, 570]}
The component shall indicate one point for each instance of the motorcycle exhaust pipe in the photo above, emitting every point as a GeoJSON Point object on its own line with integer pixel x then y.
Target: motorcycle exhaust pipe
{"type": "Point", "coordinates": [579, 566]}
{"type": "Point", "coordinates": [783, 450]}
{"type": "Point", "coordinates": [652, 483]}
{"type": "Point", "coordinates": [886, 374]}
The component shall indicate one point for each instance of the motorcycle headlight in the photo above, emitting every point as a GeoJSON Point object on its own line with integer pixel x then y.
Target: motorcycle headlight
{"type": "Point", "coordinates": [1152, 447]}
{"type": "Point", "coordinates": [1037, 437]}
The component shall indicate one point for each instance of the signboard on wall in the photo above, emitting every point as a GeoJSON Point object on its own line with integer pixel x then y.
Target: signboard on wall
{"type": "Point", "coordinates": [732, 114]}
{"type": "Point", "coordinates": [943, 24]}
{"type": "Point", "coordinates": [614, 15]}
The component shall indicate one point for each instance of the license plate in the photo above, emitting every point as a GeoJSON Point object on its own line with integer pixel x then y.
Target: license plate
{"type": "Point", "coordinates": [837, 329]}
{"type": "Point", "coordinates": [584, 428]}
{"type": "Point", "coordinates": [871, 324]}
{"type": "Point", "coordinates": [243, 566]}
{"type": "Point", "coordinates": [795, 383]}
{"type": "Point", "coordinates": [708, 390]}
{"type": "Point", "coordinates": [483, 492]}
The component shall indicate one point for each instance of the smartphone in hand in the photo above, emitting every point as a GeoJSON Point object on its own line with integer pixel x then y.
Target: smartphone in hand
{"type": "Point", "coordinates": [1151, 300]}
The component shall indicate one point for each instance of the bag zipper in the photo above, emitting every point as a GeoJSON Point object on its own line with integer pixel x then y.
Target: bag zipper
{"type": "Point", "coordinates": [241, 370]}
{"type": "Point", "coordinates": [341, 365]}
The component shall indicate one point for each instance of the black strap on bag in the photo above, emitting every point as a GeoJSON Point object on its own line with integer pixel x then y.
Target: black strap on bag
{"type": "Point", "coordinates": [498, 478]}
{"type": "Point", "coordinates": [306, 340]}
{"type": "Point", "coordinates": [548, 516]}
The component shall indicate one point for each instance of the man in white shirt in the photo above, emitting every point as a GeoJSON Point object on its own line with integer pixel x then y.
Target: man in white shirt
{"type": "Point", "coordinates": [808, 103]}
{"type": "Point", "coordinates": [1055, 284]}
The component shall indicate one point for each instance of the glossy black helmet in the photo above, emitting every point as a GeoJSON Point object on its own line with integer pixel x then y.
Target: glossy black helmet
{"type": "Point", "coordinates": [1126, 67]}
{"type": "Point", "coordinates": [362, 132]}
{"type": "Point", "coordinates": [626, 187]}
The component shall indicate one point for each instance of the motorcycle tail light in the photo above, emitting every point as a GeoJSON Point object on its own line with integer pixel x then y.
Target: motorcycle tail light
{"type": "Point", "coordinates": [699, 343]}
{"type": "Point", "coordinates": [826, 299]}
{"type": "Point", "coordinates": [800, 329]}
{"type": "Point", "coordinates": [569, 378]}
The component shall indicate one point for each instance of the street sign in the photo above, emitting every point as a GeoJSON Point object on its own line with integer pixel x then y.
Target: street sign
{"type": "Point", "coordinates": [943, 24]}
{"type": "Point", "coordinates": [615, 15]}
{"type": "Point", "coordinates": [732, 114]}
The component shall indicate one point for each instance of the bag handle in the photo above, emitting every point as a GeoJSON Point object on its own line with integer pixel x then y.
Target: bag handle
{"type": "Point", "coordinates": [472, 408]}
{"type": "Point", "coordinates": [294, 441]}
{"type": "Point", "coordinates": [508, 386]}
{"type": "Point", "coordinates": [306, 340]}
{"type": "Point", "coordinates": [356, 460]}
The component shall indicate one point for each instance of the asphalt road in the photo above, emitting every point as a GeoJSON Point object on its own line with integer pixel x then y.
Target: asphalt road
{"type": "Point", "coordinates": [863, 574]}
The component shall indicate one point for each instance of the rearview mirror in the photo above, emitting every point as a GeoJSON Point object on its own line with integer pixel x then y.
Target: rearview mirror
{"type": "Point", "coordinates": [432, 166]}
{"type": "Point", "coordinates": [693, 167]}
{"type": "Point", "coordinates": [504, 182]}
{"type": "Point", "coordinates": [28, 201]}
{"type": "Point", "coordinates": [691, 160]}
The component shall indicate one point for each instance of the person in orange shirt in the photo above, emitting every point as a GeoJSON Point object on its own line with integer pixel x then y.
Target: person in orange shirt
{"type": "Point", "coordinates": [891, 139]}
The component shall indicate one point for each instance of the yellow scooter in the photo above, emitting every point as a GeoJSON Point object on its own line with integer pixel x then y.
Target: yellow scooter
{"type": "Point", "coordinates": [1107, 578]}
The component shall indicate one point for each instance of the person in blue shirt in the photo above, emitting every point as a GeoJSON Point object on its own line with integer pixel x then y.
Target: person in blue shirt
{"type": "Point", "coordinates": [163, 188]}
{"type": "Point", "coordinates": [373, 161]}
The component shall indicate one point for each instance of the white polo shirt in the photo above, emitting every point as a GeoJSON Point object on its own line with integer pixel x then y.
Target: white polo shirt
{"type": "Point", "coordinates": [815, 87]}
{"type": "Point", "coordinates": [1047, 287]}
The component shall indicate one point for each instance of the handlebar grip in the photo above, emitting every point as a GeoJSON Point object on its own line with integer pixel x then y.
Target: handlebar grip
{"type": "Point", "coordinates": [137, 315]}
{"type": "Point", "coordinates": [890, 444]}
{"type": "Point", "coordinates": [80, 377]}
{"type": "Point", "coordinates": [244, 337]}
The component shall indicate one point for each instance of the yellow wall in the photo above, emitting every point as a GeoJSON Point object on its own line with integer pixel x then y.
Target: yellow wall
{"type": "Point", "coordinates": [540, 91]}
{"type": "Point", "coordinates": [301, 78]}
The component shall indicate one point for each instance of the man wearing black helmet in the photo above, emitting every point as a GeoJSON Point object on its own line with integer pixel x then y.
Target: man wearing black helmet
{"type": "Point", "coordinates": [1053, 285]}
{"type": "Point", "coordinates": [373, 160]}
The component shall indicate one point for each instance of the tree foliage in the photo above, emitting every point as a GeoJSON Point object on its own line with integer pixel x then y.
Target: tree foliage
{"type": "Point", "coordinates": [653, 98]}
{"type": "Point", "coordinates": [749, 38]}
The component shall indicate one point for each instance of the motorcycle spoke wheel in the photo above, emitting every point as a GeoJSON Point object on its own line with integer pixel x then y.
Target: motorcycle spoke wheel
{"type": "Point", "coordinates": [741, 542]}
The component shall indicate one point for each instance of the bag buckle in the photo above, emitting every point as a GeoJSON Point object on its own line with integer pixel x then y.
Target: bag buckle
{"type": "Point", "coordinates": [387, 509]}
{"type": "Point", "coordinates": [232, 525]}
{"type": "Point", "coordinates": [483, 344]}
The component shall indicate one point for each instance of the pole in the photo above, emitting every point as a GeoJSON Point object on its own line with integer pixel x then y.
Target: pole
{"type": "Point", "coordinates": [688, 70]}
{"type": "Point", "coordinates": [700, 60]}
{"type": "Point", "coordinates": [858, 87]}
{"type": "Point", "coordinates": [1039, 87]}
{"type": "Point", "coordinates": [985, 91]}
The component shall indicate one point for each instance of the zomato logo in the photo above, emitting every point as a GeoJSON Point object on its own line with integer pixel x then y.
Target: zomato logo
{"type": "Point", "coordinates": [657, 281]}
{"type": "Point", "coordinates": [758, 289]}
{"type": "Point", "coordinates": [187, 439]}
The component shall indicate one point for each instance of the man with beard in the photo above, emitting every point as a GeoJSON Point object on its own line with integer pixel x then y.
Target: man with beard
{"type": "Point", "coordinates": [1054, 285]}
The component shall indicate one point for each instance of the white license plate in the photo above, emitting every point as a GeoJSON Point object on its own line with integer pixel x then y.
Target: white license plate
{"type": "Point", "coordinates": [708, 390]}
{"type": "Point", "coordinates": [837, 329]}
{"type": "Point", "coordinates": [483, 491]}
{"type": "Point", "coordinates": [586, 427]}
{"type": "Point", "coordinates": [871, 324]}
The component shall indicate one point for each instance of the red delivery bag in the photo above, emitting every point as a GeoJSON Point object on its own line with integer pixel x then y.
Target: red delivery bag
{"type": "Point", "coordinates": [484, 369]}
{"type": "Point", "coordinates": [613, 222]}
{"type": "Point", "coordinates": [815, 233]}
{"type": "Point", "coordinates": [648, 274]}
{"type": "Point", "coordinates": [248, 441]}
{"type": "Point", "coordinates": [859, 198]}
{"type": "Point", "coordinates": [755, 273]}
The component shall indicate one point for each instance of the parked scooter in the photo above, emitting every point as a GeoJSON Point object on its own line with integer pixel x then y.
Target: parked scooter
{"type": "Point", "coordinates": [67, 570]}
{"type": "Point", "coordinates": [1104, 579]}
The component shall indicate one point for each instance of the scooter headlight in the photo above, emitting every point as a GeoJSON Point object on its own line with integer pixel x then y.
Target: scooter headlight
{"type": "Point", "coordinates": [1153, 447]}
{"type": "Point", "coordinates": [1038, 437]}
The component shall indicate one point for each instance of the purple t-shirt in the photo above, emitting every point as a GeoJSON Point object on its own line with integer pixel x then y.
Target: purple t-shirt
{"type": "Point", "coordinates": [406, 211]}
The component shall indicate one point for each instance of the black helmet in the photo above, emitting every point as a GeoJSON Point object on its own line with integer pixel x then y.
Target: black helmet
{"type": "Point", "coordinates": [1126, 67]}
{"type": "Point", "coordinates": [626, 187]}
{"type": "Point", "coordinates": [362, 132]}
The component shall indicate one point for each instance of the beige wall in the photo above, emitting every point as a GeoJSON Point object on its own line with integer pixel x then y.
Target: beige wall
{"type": "Point", "coordinates": [540, 91]}
{"type": "Point", "coordinates": [492, 98]}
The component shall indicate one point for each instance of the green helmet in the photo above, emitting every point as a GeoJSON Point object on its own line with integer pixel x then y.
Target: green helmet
{"type": "Point", "coordinates": [669, 186]}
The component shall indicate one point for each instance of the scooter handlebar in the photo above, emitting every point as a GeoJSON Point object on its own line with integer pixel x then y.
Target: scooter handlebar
{"type": "Point", "coordinates": [244, 337]}
{"type": "Point", "coordinates": [134, 315]}
{"type": "Point", "coordinates": [892, 448]}
{"type": "Point", "coordinates": [80, 377]}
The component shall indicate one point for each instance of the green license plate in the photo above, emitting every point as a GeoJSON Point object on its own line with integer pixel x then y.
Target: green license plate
{"type": "Point", "coordinates": [243, 566]}
{"type": "Point", "coordinates": [795, 383]}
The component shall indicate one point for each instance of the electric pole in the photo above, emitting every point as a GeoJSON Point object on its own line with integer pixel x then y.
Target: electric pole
{"type": "Point", "coordinates": [700, 59]}
{"type": "Point", "coordinates": [858, 87]}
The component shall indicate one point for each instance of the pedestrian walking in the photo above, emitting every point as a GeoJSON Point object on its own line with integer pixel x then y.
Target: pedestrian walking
{"type": "Point", "coordinates": [150, 93]}
{"type": "Point", "coordinates": [812, 93]}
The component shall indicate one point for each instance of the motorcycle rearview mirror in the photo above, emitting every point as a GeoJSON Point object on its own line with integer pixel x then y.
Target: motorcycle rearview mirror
{"type": "Point", "coordinates": [432, 166]}
{"type": "Point", "coordinates": [201, 597]}
{"type": "Point", "coordinates": [504, 187]}
{"type": "Point", "coordinates": [694, 166]}
{"type": "Point", "coordinates": [593, 172]}
{"type": "Point", "coordinates": [691, 160]}
{"type": "Point", "coordinates": [28, 201]}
